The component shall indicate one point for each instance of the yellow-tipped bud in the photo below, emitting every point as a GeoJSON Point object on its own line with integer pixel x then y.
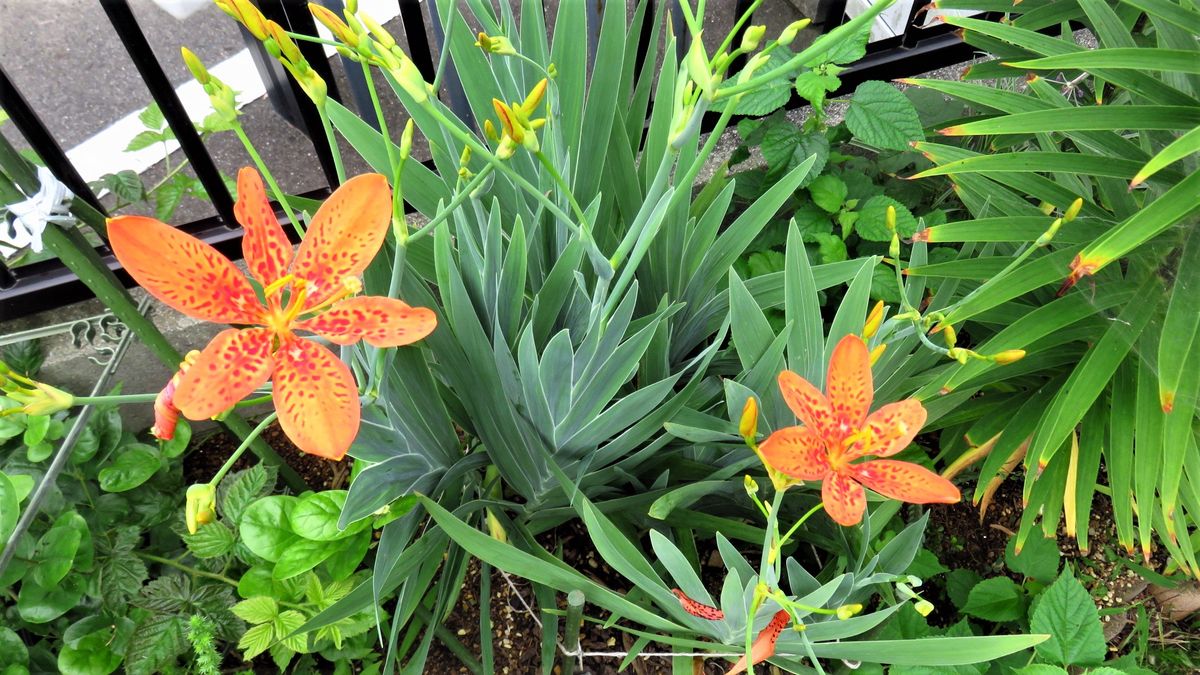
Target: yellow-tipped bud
{"type": "Point", "coordinates": [249, 16]}
{"type": "Point", "coordinates": [878, 352]}
{"type": "Point", "coordinates": [889, 218]}
{"type": "Point", "coordinates": [465, 157]}
{"type": "Point", "coordinates": [757, 61]}
{"type": "Point", "coordinates": [497, 44]}
{"type": "Point", "coordinates": [195, 66]}
{"type": "Point", "coordinates": [1048, 235]}
{"type": "Point", "coordinates": [1073, 210]}
{"type": "Point", "coordinates": [793, 29]}
{"type": "Point", "coordinates": [534, 99]}
{"type": "Point", "coordinates": [1046, 208]}
{"type": "Point", "coordinates": [406, 140]}
{"type": "Point", "coordinates": [201, 506]}
{"type": "Point", "coordinates": [1008, 356]}
{"type": "Point", "coordinates": [287, 46]}
{"type": "Point", "coordinates": [381, 34]}
{"type": "Point", "coordinates": [552, 71]}
{"type": "Point", "coordinates": [752, 37]}
{"type": "Point", "coordinates": [334, 23]}
{"type": "Point", "coordinates": [923, 607]}
{"type": "Point", "coordinates": [950, 335]}
{"type": "Point", "coordinates": [489, 130]}
{"type": "Point", "coordinates": [411, 81]}
{"type": "Point", "coordinates": [750, 484]}
{"type": "Point", "coordinates": [959, 354]}
{"type": "Point", "coordinates": [874, 321]}
{"type": "Point", "coordinates": [496, 528]}
{"type": "Point", "coordinates": [748, 425]}
{"type": "Point", "coordinates": [846, 611]}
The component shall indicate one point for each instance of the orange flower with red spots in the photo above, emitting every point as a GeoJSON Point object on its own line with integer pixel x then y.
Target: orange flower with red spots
{"type": "Point", "coordinates": [837, 430]}
{"type": "Point", "coordinates": [315, 394]}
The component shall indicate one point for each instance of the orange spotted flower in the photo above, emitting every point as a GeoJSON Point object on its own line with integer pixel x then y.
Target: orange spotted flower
{"type": "Point", "coordinates": [314, 392]}
{"type": "Point", "coordinates": [837, 431]}
{"type": "Point", "coordinates": [763, 647]}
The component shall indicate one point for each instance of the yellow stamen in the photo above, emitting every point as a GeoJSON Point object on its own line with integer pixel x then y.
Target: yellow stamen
{"type": "Point", "coordinates": [350, 286]}
{"type": "Point", "coordinates": [279, 283]}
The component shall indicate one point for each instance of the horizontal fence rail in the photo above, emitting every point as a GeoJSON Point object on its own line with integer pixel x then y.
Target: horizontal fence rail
{"type": "Point", "coordinates": [49, 285]}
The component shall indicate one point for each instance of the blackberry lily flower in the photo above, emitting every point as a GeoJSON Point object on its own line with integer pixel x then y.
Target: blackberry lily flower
{"type": "Point", "coordinates": [837, 430]}
{"type": "Point", "coordinates": [315, 394]}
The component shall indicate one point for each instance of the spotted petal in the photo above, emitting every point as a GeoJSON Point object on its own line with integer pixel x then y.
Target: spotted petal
{"type": "Point", "coordinates": [797, 452]}
{"type": "Point", "coordinates": [891, 429]}
{"type": "Point", "coordinates": [382, 322]}
{"type": "Point", "coordinates": [906, 481]}
{"type": "Point", "coordinates": [849, 384]}
{"type": "Point", "coordinates": [345, 234]}
{"type": "Point", "coordinates": [844, 499]}
{"type": "Point", "coordinates": [232, 366]}
{"type": "Point", "coordinates": [764, 645]}
{"type": "Point", "coordinates": [182, 271]}
{"type": "Point", "coordinates": [264, 245]}
{"type": "Point", "coordinates": [316, 399]}
{"type": "Point", "coordinates": [807, 402]}
{"type": "Point", "coordinates": [697, 608]}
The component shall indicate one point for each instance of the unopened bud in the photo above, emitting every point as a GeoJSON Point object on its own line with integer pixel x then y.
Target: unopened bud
{"type": "Point", "coordinates": [950, 335]}
{"type": "Point", "coordinates": [750, 484]}
{"type": "Point", "coordinates": [406, 140]}
{"type": "Point", "coordinates": [489, 130]}
{"type": "Point", "coordinates": [923, 607]}
{"type": "Point", "coordinates": [249, 16]}
{"type": "Point", "coordinates": [752, 37]}
{"type": "Point", "coordinates": [201, 506]}
{"type": "Point", "coordinates": [334, 23]}
{"type": "Point", "coordinates": [874, 321]}
{"type": "Point", "coordinates": [552, 71]}
{"type": "Point", "coordinates": [846, 611]}
{"type": "Point", "coordinates": [757, 61]}
{"type": "Point", "coordinates": [465, 157]}
{"type": "Point", "coordinates": [878, 352]}
{"type": "Point", "coordinates": [793, 29]}
{"type": "Point", "coordinates": [1046, 208]}
{"type": "Point", "coordinates": [889, 218]}
{"type": "Point", "coordinates": [697, 66]}
{"type": "Point", "coordinates": [411, 81]}
{"type": "Point", "coordinates": [195, 66]}
{"type": "Point", "coordinates": [1008, 356]}
{"type": "Point", "coordinates": [959, 354]}
{"type": "Point", "coordinates": [287, 47]}
{"type": "Point", "coordinates": [534, 98]}
{"type": "Point", "coordinates": [496, 528]}
{"type": "Point", "coordinates": [381, 34]}
{"type": "Point", "coordinates": [748, 425]}
{"type": "Point", "coordinates": [1048, 235]}
{"type": "Point", "coordinates": [1073, 210]}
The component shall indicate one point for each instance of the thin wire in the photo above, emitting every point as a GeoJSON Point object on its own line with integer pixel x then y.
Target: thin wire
{"type": "Point", "coordinates": [580, 653]}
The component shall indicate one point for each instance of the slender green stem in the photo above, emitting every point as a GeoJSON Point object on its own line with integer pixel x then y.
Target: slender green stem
{"type": "Point", "coordinates": [311, 38]}
{"type": "Point", "coordinates": [265, 398]}
{"type": "Point", "coordinates": [383, 128]}
{"type": "Point", "coordinates": [185, 568]}
{"type": "Point", "coordinates": [806, 516]}
{"type": "Point", "coordinates": [771, 543]}
{"type": "Point", "coordinates": [216, 480]}
{"type": "Point", "coordinates": [456, 201]}
{"type": "Point", "coordinates": [562, 185]}
{"type": "Point", "coordinates": [120, 399]}
{"type": "Point", "coordinates": [338, 167]}
{"type": "Point", "coordinates": [266, 174]}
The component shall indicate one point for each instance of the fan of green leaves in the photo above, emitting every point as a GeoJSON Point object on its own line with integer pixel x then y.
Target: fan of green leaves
{"type": "Point", "coordinates": [1105, 401]}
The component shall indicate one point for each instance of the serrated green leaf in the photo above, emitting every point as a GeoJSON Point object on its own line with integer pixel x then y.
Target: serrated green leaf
{"type": "Point", "coordinates": [143, 140]}
{"type": "Point", "coordinates": [828, 192]}
{"type": "Point", "coordinates": [1067, 613]}
{"type": "Point", "coordinates": [134, 465]}
{"type": "Point", "coordinates": [998, 599]}
{"type": "Point", "coordinates": [872, 223]}
{"type": "Point", "coordinates": [210, 541]}
{"type": "Point", "coordinates": [260, 609]}
{"type": "Point", "coordinates": [771, 96]}
{"type": "Point", "coordinates": [881, 116]}
{"type": "Point", "coordinates": [256, 640]}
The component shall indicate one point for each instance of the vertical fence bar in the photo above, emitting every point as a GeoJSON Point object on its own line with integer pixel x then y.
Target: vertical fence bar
{"type": "Point", "coordinates": [683, 36]}
{"type": "Point", "coordinates": [134, 40]}
{"type": "Point", "coordinates": [294, 16]}
{"type": "Point", "coordinates": [48, 149]}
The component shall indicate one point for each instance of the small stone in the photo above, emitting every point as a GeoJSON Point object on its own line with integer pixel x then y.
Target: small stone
{"type": "Point", "coordinates": [462, 631]}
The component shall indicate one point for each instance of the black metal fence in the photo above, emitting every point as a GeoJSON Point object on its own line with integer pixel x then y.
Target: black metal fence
{"type": "Point", "coordinates": [47, 285]}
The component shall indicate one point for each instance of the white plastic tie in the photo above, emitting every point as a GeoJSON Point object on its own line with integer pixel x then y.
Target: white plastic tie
{"type": "Point", "coordinates": [29, 218]}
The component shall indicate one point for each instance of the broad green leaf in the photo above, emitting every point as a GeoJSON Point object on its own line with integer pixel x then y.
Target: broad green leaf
{"type": "Point", "coordinates": [1038, 559]}
{"type": "Point", "coordinates": [91, 656]}
{"type": "Point", "coordinates": [316, 515]}
{"type": "Point", "coordinates": [303, 555]}
{"type": "Point", "coordinates": [10, 508]}
{"type": "Point", "coordinates": [881, 116]}
{"type": "Point", "coordinates": [828, 192]}
{"type": "Point", "coordinates": [13, 651]}
{"type": "Point", "coordinates": [998, 599]}
{"type": "Point", "coordinates": [265, 526]}
{"type": "Point", "coordinates": [54, 554]}
{"type": "Point", "coordinates": [134, 465]}
{"type": "Point", "coordinates": [38, 604]}
{"type": "Point", "coordinates": [1067, 613]}
{"type": "Point", "coordinates": [872, 223]}
{"type": "Point", "coordinates": [769, 97]}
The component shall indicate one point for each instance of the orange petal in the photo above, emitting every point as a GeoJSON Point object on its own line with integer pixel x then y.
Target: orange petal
{"type": "Point", "coordinates": [344, 236]}
{"type": "Point", "coordinates": [182, 271]}
{"type": "Point", "coordinates": [796, 451]}
{"type": "Point", "coordinates": [892, 428]}
{"type": "Point", "coordinates": [809, 404]}
{"type": "Point", "coordinates": [264, 245]}
{"type": "Point", "coordinates": [316, 399]}
{"type": "Point", "coordinates": [906, 481]}
{"type": "Point", "coordinates": [849, 383]}
{"type": "Point", "coordinates": [844, 499]}
{"type": "Point", "coordinates": [382, 322]}
{"type": "Point", "coordinates": [232, 366]}
{"type": "Point", "coordinates": [764, 645]}
{"type": "Point", "coordinates": [697, 608]}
